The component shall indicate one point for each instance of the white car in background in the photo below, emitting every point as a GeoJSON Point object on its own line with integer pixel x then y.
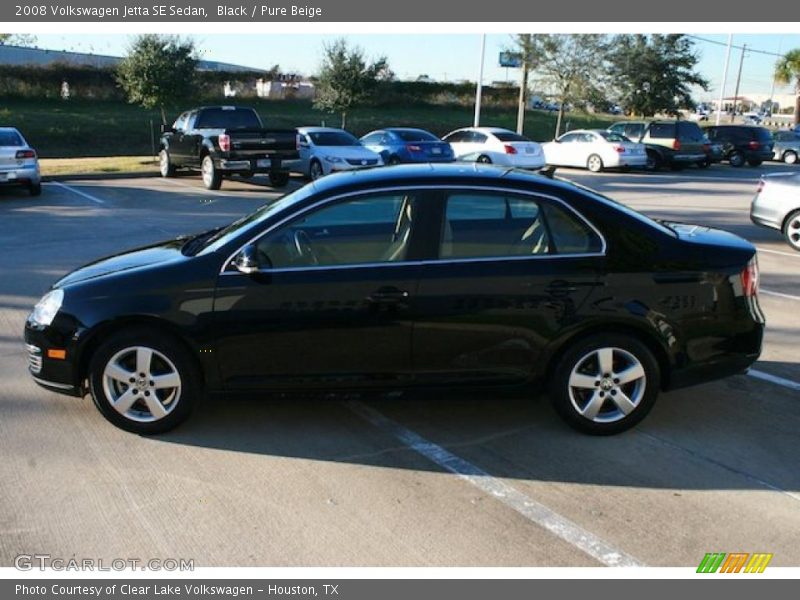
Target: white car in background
{"type": "Point", "coordinates": [495, 146]}
{"type": "Point", "coordinates": [325, 150]}
{"type": "Point", "coordinates": [19, 165]}
{"type": "Point", "coordinates": [594, 149]}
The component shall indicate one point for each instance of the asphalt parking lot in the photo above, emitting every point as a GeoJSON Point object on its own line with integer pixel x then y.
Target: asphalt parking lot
{"type": "Point", "coordinates": [490, 479]}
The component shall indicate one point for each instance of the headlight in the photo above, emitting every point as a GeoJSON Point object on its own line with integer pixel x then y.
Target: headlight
{"type": "Point", "coordinates": [46, 309]}
{"type": "Point", "coordinates": [333, 159]}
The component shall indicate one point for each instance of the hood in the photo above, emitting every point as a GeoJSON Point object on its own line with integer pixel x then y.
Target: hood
{"type": "Point", "coordinates": [141, 257]}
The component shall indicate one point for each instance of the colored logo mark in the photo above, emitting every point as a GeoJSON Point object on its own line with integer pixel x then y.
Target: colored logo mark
{"type": "Point", "coordinates": [735, 562]}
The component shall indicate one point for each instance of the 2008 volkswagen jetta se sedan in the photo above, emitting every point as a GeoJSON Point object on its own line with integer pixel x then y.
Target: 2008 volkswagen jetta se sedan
{"type": "Point", "coordinates": [408, 276]}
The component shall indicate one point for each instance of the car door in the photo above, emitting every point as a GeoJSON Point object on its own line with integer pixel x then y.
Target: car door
{"type": "Point", "coordinates": [457, 141]}
{"type": "Point", "coordinates": [305, 151]}
{"type": "Point", "coordinates": [512, 272]}
{"type": "Point", "coordinates": [177, 147]}
{"type": "Point", "coordinates": [332, 301]}
{"type": "Point", "coordinates": [563, 150]}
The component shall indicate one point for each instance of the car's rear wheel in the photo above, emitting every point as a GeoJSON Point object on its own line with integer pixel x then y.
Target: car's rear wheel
{"type": "Point", "coordinates": [791, 230]}
{"type": "Point", "coordinates": [653, 161]}
{"type": "Point", "coordinates": [35, 189]}
{"type": "Point", "coordinates": [755, 162]}
{"type": "Point", "coordinates": [393, 160]}
{"type": "Point", "coordinates": [704, 164]}
{"type": "Point", "coordinates": [483, 159]}
{"type": "Point", "coordinates": [790, 157]}
{"type": "Point", "coordinates": [279, 179]}
{"type": "Point", "coordinates": [605, 384]}
{"type": "Point", "coordinates": [143, 382]}
{"type": "Point", "coordinates": [212, 178]}
{"type": "Point", "coordinates": [594, 163]}
{"type": "Point", "coordinates": [165, 165]}
{"type": "Point", "coordinates": [736, 159]}
{"type": "Point", "coordinates": [315, 170]}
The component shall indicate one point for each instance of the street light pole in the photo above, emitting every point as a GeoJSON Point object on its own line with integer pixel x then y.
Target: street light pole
{"type": "Point", "coordinates": [724, 78]}
{"type": "Point", "coordinates": [738, 80]}
{"type": "Point", "coordinates": [479, 89]}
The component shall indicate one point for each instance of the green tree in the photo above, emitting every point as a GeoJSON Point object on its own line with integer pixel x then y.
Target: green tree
{"type": "Point", "coordinates": [17, 39]}
{"type": "Point", "coordinates": [159, 71]}
{"type": "Point", "coordinates": [654, 74]}
{"type": "Point", "coordinates": [787, 70]}
{"type": "Point", "coordinates": [572, 65]}
{"type": "Point", "coordinates": [346, 80]}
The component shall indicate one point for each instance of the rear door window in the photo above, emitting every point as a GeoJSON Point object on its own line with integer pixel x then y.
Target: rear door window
{"type": "Point", "coordinates": [633, 130]}
{"type": "Point", "coordinates": [662, 130]}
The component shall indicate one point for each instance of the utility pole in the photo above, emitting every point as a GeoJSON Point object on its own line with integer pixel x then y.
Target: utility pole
{"type": "Point", "coordinates": [724, 78]}
{"type": "Point", "coordinates": [479, 89]}
{"type": "Point", "coordinates": [526, 51]}
{"type": "Point", "coordinates": [738, 80]}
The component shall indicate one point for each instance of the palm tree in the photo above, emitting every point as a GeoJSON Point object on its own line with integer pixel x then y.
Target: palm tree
{"type": "Point", "coordinates": [787, 69]}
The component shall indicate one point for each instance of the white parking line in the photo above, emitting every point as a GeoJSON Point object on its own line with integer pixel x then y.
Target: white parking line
{"type": "Point", "coordinates": [787, 383]}
{"type": "Point", "coordinates": [778, 294]}
{"type": "Point", "coordinates": [791, 254]}
{"type": "Point", "coordinates": [535, 512]}
{"type": "Point", "coordinates": [78, 192]}
{"type": "Point", "coordinates": [195, 188]}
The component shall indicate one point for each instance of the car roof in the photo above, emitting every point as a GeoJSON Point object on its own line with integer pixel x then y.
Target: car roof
{"type": "Point", "coordinates": [405, 129]}
{"type": "Point", "coordinates": [14, 129]}
{"type": "Point", "coordinates": [315, 129]}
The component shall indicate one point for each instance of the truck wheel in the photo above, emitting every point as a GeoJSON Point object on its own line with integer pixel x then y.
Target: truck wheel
{"type": "Point", "coordinates": [212, 178]}
{"type": "Point", "coordinates": [279, 179]}
{"type": "Point", "coordinates": [165, 164]}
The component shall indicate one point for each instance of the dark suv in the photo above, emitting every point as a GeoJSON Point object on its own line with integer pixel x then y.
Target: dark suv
{"type": "Point", "coordinates": [674, 144]}
{"type": "Point", "coordinates": [742, 143]}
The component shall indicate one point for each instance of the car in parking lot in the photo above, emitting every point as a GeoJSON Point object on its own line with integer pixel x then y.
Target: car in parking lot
{"type": "Point", "coordinates": [787, 146]}
{"type": "Point", "coordinates": [407, 145]}
{"type": "Point", "coordinates": [594, 149]}
{"type": "Point", "coordinates": [19, 164]}
{"type": "Point", "coordinates": [777, 205]}
{"type": "Point", "coordinates": [742, 143]}
{"type": "Point", "coordinates": [670, 143]}
{"type": "Point", "coordinates": [408, 276]}
{"type": "Point", "coordinates": [495, 145]}
{"type": "Point", "coordinates": [326, 150]}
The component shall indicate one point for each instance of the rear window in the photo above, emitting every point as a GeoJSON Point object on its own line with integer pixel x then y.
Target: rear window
{"type": "Point", "coordinates": [690, 132]}
{"type": "Point", "coordinates": [763, 135]}
{"type": "Point", "coordinates": [510, 136]}
{"type": "Point", "coordinates": [10, 138]}
{"type": "Point", "coordinates": [662, 130]}
{"type": "Point", "coordinates": [333, 138]}
{"type": "Point", "coordinates": [220, 118]}
{"type": "Point", "coordinates": [415, 135]}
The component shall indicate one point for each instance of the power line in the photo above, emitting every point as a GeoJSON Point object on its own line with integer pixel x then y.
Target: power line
{"type": "Point", "coordinates": [715, 42]}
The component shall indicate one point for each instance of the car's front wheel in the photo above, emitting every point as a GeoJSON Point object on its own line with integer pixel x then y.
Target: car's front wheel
{"type": "Point", "coordinates": [315, 170]}
{"type": "Point", "coordinates": [143, 382]}
{"type": "Point", "coordinates": [790, 157]}
{"type": "Point", "coordinates": [605, 384]}
{"type": "Point", "coordinates": [791, 230]}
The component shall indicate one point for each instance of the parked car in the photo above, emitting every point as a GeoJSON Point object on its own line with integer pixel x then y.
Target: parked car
{"type": "Point", "coordinates": [777, 205]}
{"type": "Point", "coordinates": [406, 145]}
{"type": "Point", "coordinates": [752, 119]}
{"type": "Point", "coordinates": [787, 146]}
{"type": "Point", "coordinates": [742, 143]}
{"type": "Point", "coordinates": [714, 151]}
{"type": "Point", "coordinates": [19, 164]}
{"type": "Point", "coordinates": [496, 146]}
{"type": "Point", "coordinates": [226, 140]}
{"type": "Point", "coordinates": [594, 149]}
{"type": "Point", "coordinates": [325, 150]}
{"type": "Point", "coordinates": [674, 144]}
{"type": "Point", "coordinates": [416, 275]}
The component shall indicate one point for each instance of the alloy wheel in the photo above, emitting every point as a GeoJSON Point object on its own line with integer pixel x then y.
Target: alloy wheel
{"type": "Point", "coordinates": [792, 230]}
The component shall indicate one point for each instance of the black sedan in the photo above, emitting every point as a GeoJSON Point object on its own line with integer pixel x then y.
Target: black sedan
{"type": "Point", "coordinates": [408, 276]}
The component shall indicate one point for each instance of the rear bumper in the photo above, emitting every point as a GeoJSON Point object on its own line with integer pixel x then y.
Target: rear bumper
{"type": "Point", "coordinates": [253, 165]}
{"type": "Point", "coordinates": [20, 176]}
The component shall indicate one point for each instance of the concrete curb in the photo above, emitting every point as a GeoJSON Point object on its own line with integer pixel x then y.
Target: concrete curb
{"type": "Point", "coordinates": [98, 176]}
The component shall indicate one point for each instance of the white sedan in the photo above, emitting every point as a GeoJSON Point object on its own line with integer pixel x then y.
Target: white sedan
{"type": "Point", "coordinates": [495, 145]}
{"type": "Point", "coordinates": [19, 164]}
{"type": "Point", "coordinates": [594, 149]}
{"type": "Point", "coordinates": [325, 150]}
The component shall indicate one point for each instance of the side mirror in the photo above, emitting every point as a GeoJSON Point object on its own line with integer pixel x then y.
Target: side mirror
{"type": "Point", "coordinates": [167, 129]}
{"type": "Point", "coordinates": [247, 260]}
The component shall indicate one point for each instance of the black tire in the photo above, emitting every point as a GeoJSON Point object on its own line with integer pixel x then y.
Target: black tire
{"type": "Point", "coordinates": [755, 162]}
{"type": "Point", "coordinates": [675, 166]}
{"type": "Point", "coordinates": [485, 160]}
{"type": "Point", "coordinates": [653, 161]}
{"type": "Point", "coordinates": [736, 159]}
{"type": "Point", "coordinates": [165, 165]}
{"type": "Point", "coordinates": [315, 170]}
{"type": "Point", "coordinates": [609, 419]}
{"type": "Point", "coordinates": [279, 179]}
{"type": "Point", "coordinates": [789, 157]}
{"type": "Point", "coordinates": [187, 395]}
{"type": "Point", "coordinates": [393, 160]}
{"type": "Point", "coordinates": [212, 178]}
{"type": "Point", "coordinates": [35, 189]}
{"type": "Point", "coordinates": [791, 230]}
{"type": "Point", "coordinates": [594, 163]}
{"type": "Point", "coordinates": [704, 164]}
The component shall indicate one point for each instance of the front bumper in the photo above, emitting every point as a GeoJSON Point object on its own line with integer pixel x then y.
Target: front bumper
{"type": "Point", "coordinates": [55, 374]}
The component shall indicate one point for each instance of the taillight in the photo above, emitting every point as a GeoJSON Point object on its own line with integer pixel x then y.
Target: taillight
{"type": "Point", "coordinates": [25, 154]}
{"type": "Point", "coordinates": [760, 186]}
{"type": "Point", "coordinates": [413, 148]}
{"type": "Point", "coordinates": [676, 145]}
{"type": "Point", "coordinates": [224, 142]}
{"type": "Point", "coordinates": [749, 277]}
{"type": "Point", "coordinates": [619, 149]}
{"type": "Point", "coordinates": [510, 149]}
{"type": "Point", "coordinates": [753, 145]}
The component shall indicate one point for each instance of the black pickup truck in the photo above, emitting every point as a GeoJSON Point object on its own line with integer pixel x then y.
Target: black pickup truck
{"type": "Point", "coordinates": [226, 140]}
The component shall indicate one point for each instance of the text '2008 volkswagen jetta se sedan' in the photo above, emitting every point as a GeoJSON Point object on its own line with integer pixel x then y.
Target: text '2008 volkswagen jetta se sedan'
{"type": "Point", "coordinates": [402, 277]}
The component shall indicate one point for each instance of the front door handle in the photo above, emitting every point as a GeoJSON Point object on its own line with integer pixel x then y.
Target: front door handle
{"type": "Point", "coordinates": [388, 295]}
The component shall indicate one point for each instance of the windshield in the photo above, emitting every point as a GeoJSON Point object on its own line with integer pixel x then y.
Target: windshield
{"type": "Point", "coordinates": [227, 118]}
{"type": "Point", "coordinates": [333, 138]}
{"type": "Point", "coordinates": [510, 137]}
{"type": "Point", "coordinates": [251, 221]}
{"type": "Point", "coordinates": [415, 135]}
